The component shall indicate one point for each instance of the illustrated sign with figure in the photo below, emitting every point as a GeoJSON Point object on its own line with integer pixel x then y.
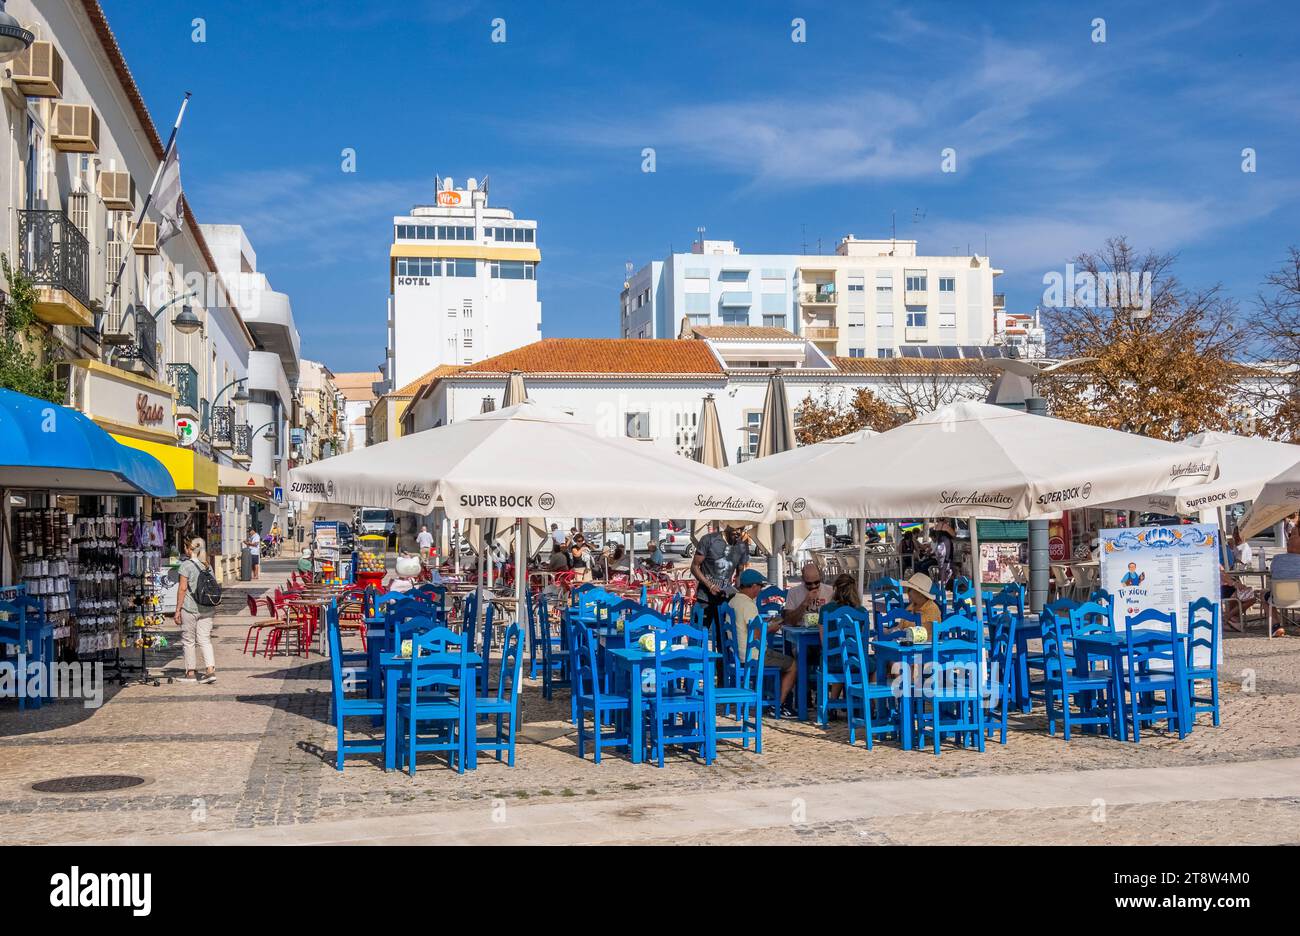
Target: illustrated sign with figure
{"type": "Point", "coordinates": [1165, 568]}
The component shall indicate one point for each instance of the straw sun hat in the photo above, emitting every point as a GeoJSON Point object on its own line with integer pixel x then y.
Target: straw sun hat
{"type": "Point", "coordinates": [920, 582]}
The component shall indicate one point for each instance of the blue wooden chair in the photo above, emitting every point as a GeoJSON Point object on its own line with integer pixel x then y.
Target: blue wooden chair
{"type": "Point", "coordinates": [744, 694]}
{"type": "Point", "coordinates": [893, 619]}
{"type": "Point", "coordinates": [1032, 663]}
{"type": "Point", "coordinates": [556, 668]}
{"type": "Point", "coordinates": [27, 629]}
{"type": "Point", "coordinates": [1154, 665]}
{"type": "Point", "coordinates": [1203, 632]}
{"type": "Point", "coordinates": [504, 703]}
{"type": "Point", "coordinates": [677, 608]}
{"type": "Point", "coordinates": [831, 673]}
{"type": "Point", "coordinates": [963, 594]}
{"type": "Point", "coordinates": [860, 692]}
{"type": "Point", "coordinates": [437, 594]}
{"type": "Point", "coordinates": [1102, 597]}
{"type": "Point", "coordinates": [589, 695]}
{"type": "Point", "coordinates": [342, 706]}
{"type": "Point", "coordinates": [1062, 682]}
{"type": "Point", "coordinates": [1001, 677]}
{"type": "Point", "coordinates": [953, 696]}
{"type": "Point", "coordinates": [435, 694]}
{"type": "Point", "coordinates": [1009, 600]}
{"type": "Point", "coordinates": [679, 709]}
{"type": "Point", "coordinates": [940, 596]}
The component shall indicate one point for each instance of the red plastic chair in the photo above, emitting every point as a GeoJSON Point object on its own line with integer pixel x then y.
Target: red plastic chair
{"type": "Point", "coordinates": [257, 626]}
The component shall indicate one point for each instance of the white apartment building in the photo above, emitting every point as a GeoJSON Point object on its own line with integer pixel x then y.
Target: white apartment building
{"type": "Point", "coordinates": [871, 298]}
{"type": "Point", "coordinates": [273, 363]}
{"type": "Point", "coordinates": [463, 283]}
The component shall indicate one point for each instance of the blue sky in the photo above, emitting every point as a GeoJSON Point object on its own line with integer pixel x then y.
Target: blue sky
{"type": "Point", "coordinates": [1060, 141]}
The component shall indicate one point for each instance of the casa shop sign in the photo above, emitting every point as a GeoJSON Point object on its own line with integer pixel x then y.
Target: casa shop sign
{"type": "Point", "coordinates": [147, 411]}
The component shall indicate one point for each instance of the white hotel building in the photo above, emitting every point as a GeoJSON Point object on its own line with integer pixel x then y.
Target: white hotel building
{"type": "Point", "coordinates": [463, 283]}
{"type": "Point", "coordinates": [871, 298]}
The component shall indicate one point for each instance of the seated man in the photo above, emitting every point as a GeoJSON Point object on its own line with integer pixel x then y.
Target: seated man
{"type": "Point", "coordinates": [745, 604]}
{"type": "Point", "coordinates": [1285, 567]}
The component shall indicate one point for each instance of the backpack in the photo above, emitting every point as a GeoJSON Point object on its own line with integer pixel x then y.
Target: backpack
{"type": "Point", "coordinates": [207, 592]}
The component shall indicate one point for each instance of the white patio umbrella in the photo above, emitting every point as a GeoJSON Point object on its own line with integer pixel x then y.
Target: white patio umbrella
{"type": "Point", "coordinates": [976, 460]}
{"type": "Point", "coordinates": [525, 461]}
{"type": "Point", "coordinates": [776, 435]}
{"type": "Point", "coordinates": [804, 457]}
{"type": "Point", "coordinates": [1246, 464]}
{"type": "Point", "coordinates": [1278, 499]}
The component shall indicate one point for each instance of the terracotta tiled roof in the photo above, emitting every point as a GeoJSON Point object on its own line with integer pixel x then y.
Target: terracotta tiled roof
{"type": "Point", "coordinates": [742, 332]}
{"type": "Point", "coordinates": [601, 356]}
{"type": "Point", "coordinates": [356, 385]}
{"type": "Point", "coordinates": [442, 370]}
{"type": "Point", "coordinates": [884, 367]}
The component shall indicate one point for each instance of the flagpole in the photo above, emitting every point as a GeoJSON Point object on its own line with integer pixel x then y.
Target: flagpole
{"type": "Point", "coordinates": [167, 151]}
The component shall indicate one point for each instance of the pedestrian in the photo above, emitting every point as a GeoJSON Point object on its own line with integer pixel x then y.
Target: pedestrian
{"type": "Point", "coordinates": [425, 541]}
{"type": "Point", "coordinates": [194, 621]}
{"type": "Point", "coordinates": [719, 559]}
{"type": "Point", "coordinates": [254, 543]}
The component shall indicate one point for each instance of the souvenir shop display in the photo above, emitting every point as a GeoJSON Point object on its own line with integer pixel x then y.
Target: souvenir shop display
{"type": "Point", "coordinates": [140, 545]}
{"type": "Point", "coordinates": [97, 566]}
{"type": "Point", "coordinates": [42, 542]}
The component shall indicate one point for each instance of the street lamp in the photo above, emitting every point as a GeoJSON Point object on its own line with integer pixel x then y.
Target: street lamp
{"type": "Point", "coordinates": [13, 37]}
{"type": "Point", "coordinates": [240, 395]}
{"type": "Point", "coordinates": [271, 435]}
{"type": "Point", "coordinates": [187, 323]}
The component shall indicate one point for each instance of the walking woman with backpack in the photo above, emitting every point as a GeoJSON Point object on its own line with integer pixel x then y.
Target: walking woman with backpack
{"type": "Point", "coordinates": [196, 596]}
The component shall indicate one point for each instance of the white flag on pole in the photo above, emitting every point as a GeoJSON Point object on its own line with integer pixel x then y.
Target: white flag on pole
{"type": "Point", "coordinates": [171, 206]}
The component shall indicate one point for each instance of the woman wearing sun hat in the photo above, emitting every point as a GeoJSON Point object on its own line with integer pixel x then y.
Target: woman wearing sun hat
{"type": "Point", "coordinates": [921, 601]}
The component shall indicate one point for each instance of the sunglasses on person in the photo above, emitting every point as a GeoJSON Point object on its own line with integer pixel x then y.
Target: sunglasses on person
{"type": "Point", "coordinates": [813, 584]}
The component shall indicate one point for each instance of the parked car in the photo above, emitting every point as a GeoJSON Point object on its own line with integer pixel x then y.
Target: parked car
{"type": "Point", "coordinates": [675, 537]}
{"type": "Point", "coordinates": [640, 537]}
{"type": "Point", "coordinates": [347, 538]}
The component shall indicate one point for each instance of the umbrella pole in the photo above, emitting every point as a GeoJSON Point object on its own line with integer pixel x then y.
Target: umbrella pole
{"type": "Point", "coordinates": [521, 581]}
{"type": "Point", "coordinates": [975, 569]}
{"type": "Point", "coordinates": [862, 555]}
{"type": "Point", "coordinates": [631, 551]}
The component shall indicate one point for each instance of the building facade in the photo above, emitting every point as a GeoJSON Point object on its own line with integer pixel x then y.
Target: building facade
{"type": "Point", "coordinates": [463, 283]}
{"type": "Point", "coordinates": [358, 391]}
{"type": "Point", "coordinates": [871, 298]}
{"type": "Point", "coordinates": [82, 149]}
{"type": "Point", "coordinates": [320, 415]}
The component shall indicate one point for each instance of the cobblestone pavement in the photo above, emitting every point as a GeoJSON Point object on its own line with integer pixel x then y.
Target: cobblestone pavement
{"type": "Point", "coordinates": [254, 752]}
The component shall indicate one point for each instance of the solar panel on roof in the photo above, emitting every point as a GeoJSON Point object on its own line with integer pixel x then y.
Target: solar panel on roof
{"type": "Point", "coordinates": [910, 351]}
{"type": "Point", "coordinates": [971, 351]}
{"type": "Point", "coordinates": [950, 351]}
{"type": "Point", "coordinates": [929, 352]}
{"type": "Point", "coordinates": [993, 351]}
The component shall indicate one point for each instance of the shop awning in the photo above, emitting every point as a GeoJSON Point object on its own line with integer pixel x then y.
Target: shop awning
{"type": "Point", "coordinates": [237, 481]}
{"type": "Point", "coordinates": [194, 475]}
{"type": "Point", "coordinates": [51, 447]}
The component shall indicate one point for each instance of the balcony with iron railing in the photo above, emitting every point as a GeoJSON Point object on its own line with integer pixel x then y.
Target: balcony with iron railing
{"type": "Point", "coordinates": [136, 339]}
{"type": "Point", "coordinates": [185, 381]}
{"type": "Point", "coordinates": [243, 441]}
{"type": "Point", "coordinates": [56, 255]}
{"type": "Point", "coordinates": [223, 426]}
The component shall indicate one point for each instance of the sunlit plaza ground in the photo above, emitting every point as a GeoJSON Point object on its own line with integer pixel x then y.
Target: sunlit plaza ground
{"type": "Point", "coordinates": [250, 759]}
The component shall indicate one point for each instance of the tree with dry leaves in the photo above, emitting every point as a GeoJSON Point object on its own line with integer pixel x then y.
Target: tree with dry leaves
{"type": "Point", "coordinates": [913, 387]}
{"type": "Point", "coordinates": [828, 415]}
{"type": "Point", "coordinates": [1161, 360]}
{"type": "Point", "coordinates": [1278, 324]}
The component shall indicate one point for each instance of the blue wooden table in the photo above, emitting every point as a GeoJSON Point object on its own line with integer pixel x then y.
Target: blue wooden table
{"type": "Point", "coordinates": [802, 638]}
{"type": "Point", "coordinates": [394, 666]}
{"type": "Point", "coordinates": [629, 661]}
{"type": "Point", "coordinates": [1113, 647]}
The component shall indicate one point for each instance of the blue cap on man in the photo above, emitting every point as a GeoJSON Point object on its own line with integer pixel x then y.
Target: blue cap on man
{"type": "Point", "coordinates": [751, 577]}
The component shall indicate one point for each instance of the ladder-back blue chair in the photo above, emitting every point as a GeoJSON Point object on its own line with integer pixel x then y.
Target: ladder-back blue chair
{"type": "Point", "coordinates": [555, 649]}
{"type": "Point", "coordinates": [1093, 693]}
{"type": "Point", "coordinates": [835, 624]}
{"type": "Point", "coordinates": [891, 620]}
{"type": "Point", "coordinates": [1002, 643]}
{"type": "Point", "coordinates": [860, 692]}
{"type": "Point", "coordinates": [744, 695]}
{"type": "Point", "coordinates": [953, 703]}
{"type": "Point", "coordinates": [503, 704]}
{"type": "Point", "coordinates": [680, 706]}
{"type": "Point", "coordinates": [343, 706]}
{"type": "Point", "coordinates": [589, 695]}
{"type": "Point", "coordinates": [1203, 634]}
{"type": "Point", "coordinates": [1154, 664]}
{"type": "Point", "coordinates": [435, 694]}
{"type": "Point", "coordinates": [963, 594]}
